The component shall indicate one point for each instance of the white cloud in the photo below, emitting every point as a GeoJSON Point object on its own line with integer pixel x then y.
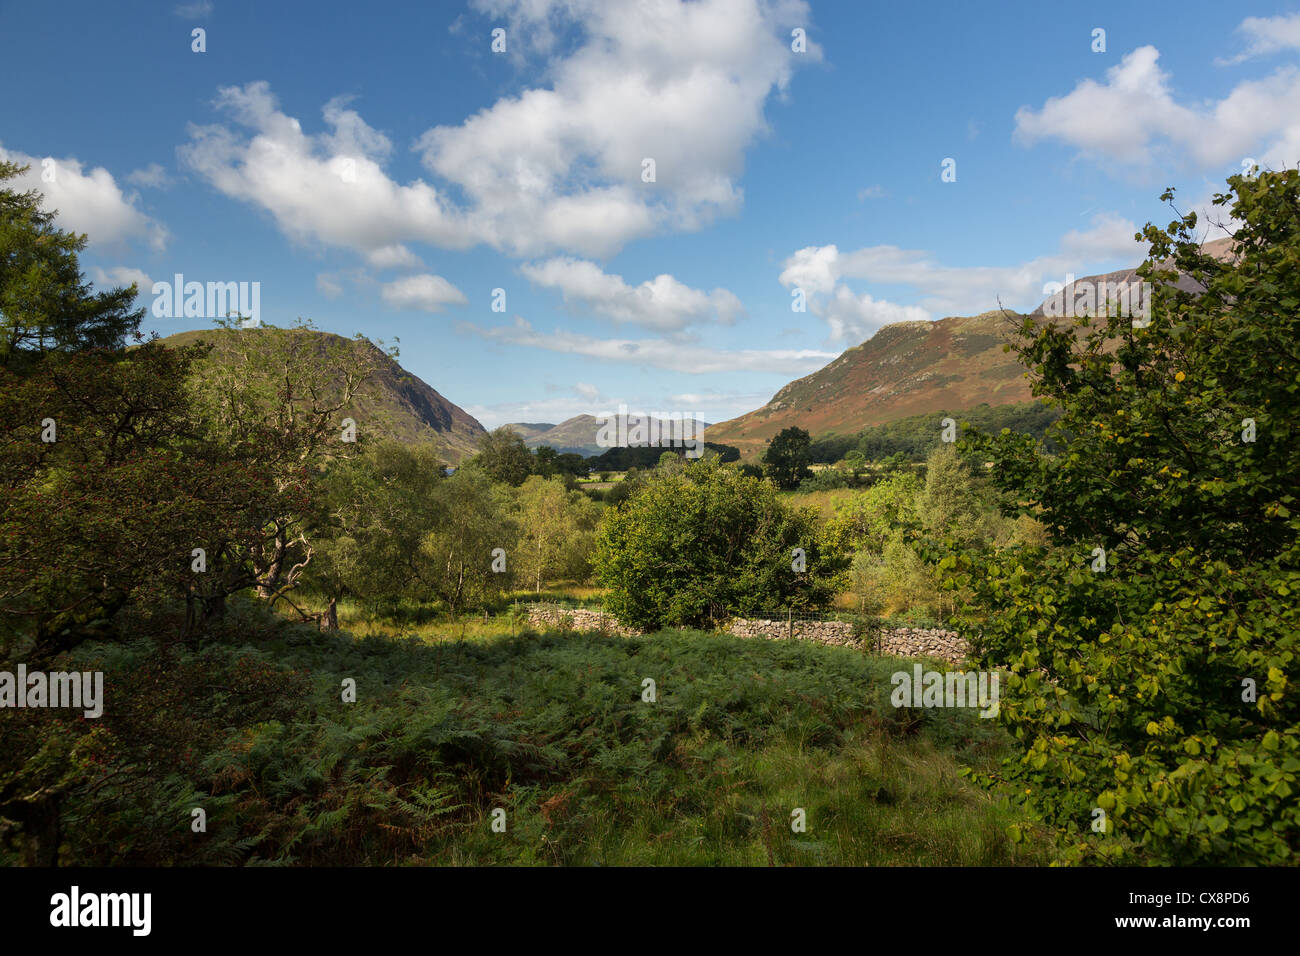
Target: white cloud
{"type": "Point", "coordinates": [1133, 118]}
{"type": "Point", "coordinates": [429, 293]}
{"type": "Point", "coordinates": [116, 276]}
{"type": "Point", "coordinates": [394, 257]}
{"type": "Point", "coordinates": [662, 303]}
{"type": "Point", "coordinates": [1265, 36]}
{"type": "Point", "coordinates": [875, 191]}
{"type": "Point", "coordinates": [327, 188]}
{"type": "Point", "coordinates": [944, 290]}
{"type": "Point", "coordinates": [194, 10]}
{"type": "Point", "coordinates": [87, 201]}
{"type": "Point", "coordinates": [657, 353]}
{"type": "Point", "coordinates": [555, 168]}
{"type": "Point", "coordinates": [153, 176]}
{"type": "Point", "coordinates": [854, 318]}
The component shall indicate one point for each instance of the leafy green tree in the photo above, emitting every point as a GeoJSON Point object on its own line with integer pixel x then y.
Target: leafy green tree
{"type": "Point", "coordinates": [952, 504]}
{"type": "Point", "coordinates": [706, 542]}
{"type": "Point", "coordinates": [556, 531]}
{"type": "Point", "coordinates": [379, 507]}
{"type": "Point", "coordinates": [116, 504]}
{"type": "Point", "coordinates": [1158, 686]}
{"type": "Point", "coordinates": [545, 461]}
{"type": "Point", "coordinates": [45, 306]}
{"type": "Point", "coordinates": [504, 457]}
{"type": "Point", "coordinates": [787, 457]}
{"type": "Point", "coordinates": [470, 520]}
{"type": "Point", "coordinates": [279, 399]}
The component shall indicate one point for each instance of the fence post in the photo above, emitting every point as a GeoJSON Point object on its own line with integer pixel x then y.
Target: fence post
{"type": "Point", "coordinates": [789, 623]}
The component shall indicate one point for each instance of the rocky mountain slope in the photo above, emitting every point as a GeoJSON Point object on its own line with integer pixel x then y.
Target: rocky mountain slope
{"type": "Point", "coordinates": [909, 368]}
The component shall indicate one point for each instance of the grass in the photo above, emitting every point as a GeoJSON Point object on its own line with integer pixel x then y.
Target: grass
{"type": "Point", "coordinates": [552, 729]}
{"type": "Point", "coordinates": [557, 730]}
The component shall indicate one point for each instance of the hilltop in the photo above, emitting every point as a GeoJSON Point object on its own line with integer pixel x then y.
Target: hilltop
{"type": "Point", "coordinates": [906, 369]}
{"type": "Point", "coordinates": [412, 410]}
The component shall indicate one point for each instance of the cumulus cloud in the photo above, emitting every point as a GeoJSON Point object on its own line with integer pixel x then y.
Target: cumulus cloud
{"type": "Point", "coordinates": [328, 188]}
{"type": "Point", "coordinates": [656, 353]}
{"type": "Point", "coordinates": [555, 168]}
{"type": "Point", "coordinates": [428, 293]}
{"type": "Point", "coordinates": [856, 317]}
{"type": "Point", "coordinates": [425, 293]}
{"type": "Point", "coordinates": [820, 272]}
{"type": "Point", "coordinates": [662, 303]}
{"type": "Point", "coordinates": [1134, 118]}
{"type": "Point", "coordinates": [88, 201]}
{"type": "Point", "coordinates": [1265, 36]}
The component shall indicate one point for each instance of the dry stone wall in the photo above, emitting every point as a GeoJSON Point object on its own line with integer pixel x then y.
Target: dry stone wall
{"type": "Point", "coordinates": [838, 633]}
{"type": "Point", "coordinates": [577, 619]}
{"type": "Point", "coordinates": [924, 642]}
{"type": "Point", "coordinates": [896, 641]}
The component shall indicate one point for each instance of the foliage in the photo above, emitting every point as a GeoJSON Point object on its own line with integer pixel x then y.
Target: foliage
{"type": "Point", "coordinates": [551, 728]}
{"type": "Point", "coordinates": [278, 400]}
{"type": "Point", "coordinates": [1130, 685]}
{"type": "Point", "coordinates": [116, 505]}
{"type": "Point", "coordinates": [916, 436]}
{"type": "Point", "coordinates": [503, 456]}
{"type": "Point", "coordinates": [45, 306]}
{"type": "Point", "coordinates": [706, 542]}
{"type": "Point", "coordinates": [557, 529]}
{"type": "Point", "coordinates": [786, 458]}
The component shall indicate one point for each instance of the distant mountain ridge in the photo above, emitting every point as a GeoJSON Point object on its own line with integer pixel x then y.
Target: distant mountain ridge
{"type": "Point", "coordinates": [575, 435]}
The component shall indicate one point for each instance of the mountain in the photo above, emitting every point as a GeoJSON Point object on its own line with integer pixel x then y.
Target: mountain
{"type": "Point", "coordinates": [529, 430]}
{"type": "Point", "coordinates": [411, 409]}
{"type": "Point", "coordinates": [910, 368]}
{"type": "Point", "coordinates": [576, 434]}
{"type": "Point", "coordinates": [1221, 249]}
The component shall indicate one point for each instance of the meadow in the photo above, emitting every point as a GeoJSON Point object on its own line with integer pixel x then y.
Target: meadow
{"type": "Point", "coordinates": [555, 730]}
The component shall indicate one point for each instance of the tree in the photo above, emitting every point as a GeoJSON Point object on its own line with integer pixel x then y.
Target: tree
{"type": "Point", "coordinates": [706, 542]}
{"type": "Point", "coordinates": [379, 506]}
{"type": "Point", "coordinates": [279, 399]}
{"type": "Point", "coordinates": [556, 529]}
{"type": "Point", "coordinates": [1152, 645]}
{"type": "Point", "coordinates": [787, 457]}
{"type": "Point", "coordinates": [45, 306]}
{"type": "Point", "coordinates": [469, 522]}
{"type": "Point", "coordinates": [131, 496]}
{"type": "Point", "coordinates": [503, 455]}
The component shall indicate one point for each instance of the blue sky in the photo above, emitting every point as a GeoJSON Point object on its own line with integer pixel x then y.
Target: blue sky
{"type": "Point", "coordinates": [378, 168]}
